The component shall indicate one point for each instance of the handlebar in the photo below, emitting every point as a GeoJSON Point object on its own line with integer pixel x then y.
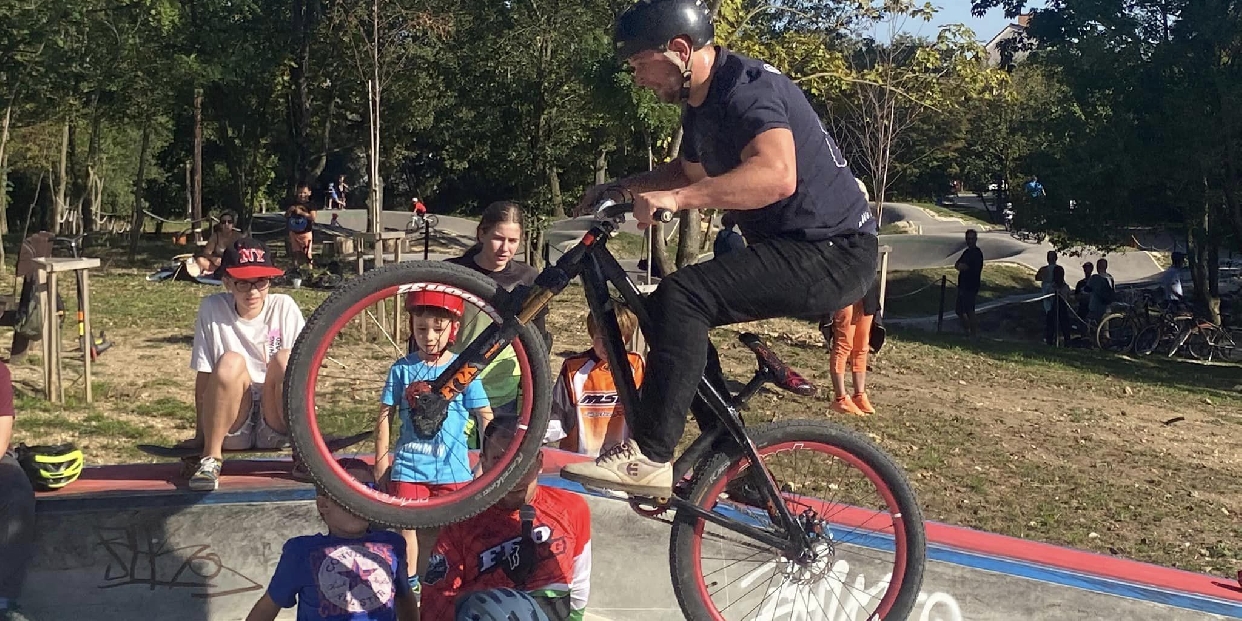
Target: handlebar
{"type": "Point", "coordinates": [612, 210]}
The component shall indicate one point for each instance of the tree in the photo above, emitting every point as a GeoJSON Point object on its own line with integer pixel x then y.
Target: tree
{"type": "Point", "coordinates": [892, 80]}
{"type": "Point", "coordinates": [1155, 136]}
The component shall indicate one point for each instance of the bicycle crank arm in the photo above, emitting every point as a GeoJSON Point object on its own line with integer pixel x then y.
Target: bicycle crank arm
{"type": "Point", "coordinates": [758, 534]}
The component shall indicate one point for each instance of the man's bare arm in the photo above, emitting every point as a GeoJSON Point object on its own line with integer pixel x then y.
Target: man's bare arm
{"type": "Point", "coordinates": [768, 173]}
{"type": "Point", "coordinates": [666, 176]}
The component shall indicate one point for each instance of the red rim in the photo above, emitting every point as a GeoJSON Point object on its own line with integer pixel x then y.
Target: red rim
{"type": "Point", "coordinates": [486, 478]}
{"type": "Point", "coordinates": [898, 529]}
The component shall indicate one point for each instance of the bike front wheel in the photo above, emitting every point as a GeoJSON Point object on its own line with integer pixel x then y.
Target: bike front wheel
{"type": "Point", "coordinates": [868, 544]}
{"type": "Point", "coordinates": [348, 361]}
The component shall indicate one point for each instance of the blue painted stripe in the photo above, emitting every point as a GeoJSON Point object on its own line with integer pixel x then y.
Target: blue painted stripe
{"type": "Point", "coordinates": [973, 560]}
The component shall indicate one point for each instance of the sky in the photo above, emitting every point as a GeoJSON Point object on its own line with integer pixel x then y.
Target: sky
{"type": "Point", "coordinates": [958, 12]}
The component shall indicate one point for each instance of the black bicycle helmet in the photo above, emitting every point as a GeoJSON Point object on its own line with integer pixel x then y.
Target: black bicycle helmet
{"type": "Point", "coordinates": [651, 24]}
{"type": "Point", "coordinates": [502, 604]}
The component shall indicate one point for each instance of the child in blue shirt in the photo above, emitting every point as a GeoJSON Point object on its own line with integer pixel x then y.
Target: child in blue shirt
{"type": "Point", "coordinates": [350, 574]}
{"type": "Point", "coordinates": [419, 468]}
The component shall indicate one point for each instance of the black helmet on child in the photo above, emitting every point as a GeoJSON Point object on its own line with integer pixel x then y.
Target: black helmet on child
{"type": "Point", "coordinates": [651, 24]}
{"type": "Point", "coordinates": [50, 467]}
{"type": "Point", "coordinates": [501, 604]}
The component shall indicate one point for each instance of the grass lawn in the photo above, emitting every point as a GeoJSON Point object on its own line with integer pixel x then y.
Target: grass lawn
{"type": "Point", "coordinates": [998, 281]}
{"type": "Point", "coordinates": [1071, 447]}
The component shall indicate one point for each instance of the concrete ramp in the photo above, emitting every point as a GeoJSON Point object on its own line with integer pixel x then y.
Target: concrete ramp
{"type": "Point", "coordinates": [125, 542]}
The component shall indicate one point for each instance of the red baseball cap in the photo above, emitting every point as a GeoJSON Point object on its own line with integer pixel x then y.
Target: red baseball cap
{"type": "Point", "coordinates": [248, 258]}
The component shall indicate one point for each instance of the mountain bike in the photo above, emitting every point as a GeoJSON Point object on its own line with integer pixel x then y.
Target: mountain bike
{"type": "Point", "coordinates": [817, 517]}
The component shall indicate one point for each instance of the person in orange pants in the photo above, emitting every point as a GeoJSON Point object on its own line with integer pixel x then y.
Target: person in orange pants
{"type": "Point", "coordinates": [849, 336]}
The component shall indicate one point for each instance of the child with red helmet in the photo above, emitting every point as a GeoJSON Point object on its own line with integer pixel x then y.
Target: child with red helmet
{"type": "Point", "coordinates": [421, 467]}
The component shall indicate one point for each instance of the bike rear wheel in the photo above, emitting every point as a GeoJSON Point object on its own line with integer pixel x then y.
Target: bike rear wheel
{"type": "Point", "coordinates": [1116, 332]}
{"type": "Point", "coordinates": [319, 404]}
{"type": "Point", "coordinates": [884, 546]}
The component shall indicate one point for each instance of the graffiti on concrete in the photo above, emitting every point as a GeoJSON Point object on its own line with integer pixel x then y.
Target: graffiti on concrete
{"type": "Point", "coordinates": [833, 596]}
{"type": "Point", "coordinates": [138, 556]}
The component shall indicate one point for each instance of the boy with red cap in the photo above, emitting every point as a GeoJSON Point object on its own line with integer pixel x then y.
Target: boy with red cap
{"type": "Point", "coordinates": [242, 339]}
{"type": "Point", "coordinates": [425, 464]}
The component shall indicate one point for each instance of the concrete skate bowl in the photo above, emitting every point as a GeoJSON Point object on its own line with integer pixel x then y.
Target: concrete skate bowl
{"type": "Point", "coordinates": [130, 542]}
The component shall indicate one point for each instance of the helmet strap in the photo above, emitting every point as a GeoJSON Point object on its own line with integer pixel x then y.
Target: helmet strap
{"type": "Point", "coordinates": [684, 95]}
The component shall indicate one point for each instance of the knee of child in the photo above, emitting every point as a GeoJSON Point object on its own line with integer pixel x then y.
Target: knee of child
{"type": "Point", "coordinates": [278, 364]}
{"type": "Point", "coordinates": [231, 367]}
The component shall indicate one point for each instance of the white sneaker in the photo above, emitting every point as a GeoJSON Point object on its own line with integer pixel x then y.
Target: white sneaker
{"type": "Point", "coordinates": [625, 468]}
{"type": "Point", "coordinates": [207, 478]}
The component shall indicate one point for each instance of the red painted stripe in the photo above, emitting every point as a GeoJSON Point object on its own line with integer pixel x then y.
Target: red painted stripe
{"type": "Point", "coordinates": [1081, 561]}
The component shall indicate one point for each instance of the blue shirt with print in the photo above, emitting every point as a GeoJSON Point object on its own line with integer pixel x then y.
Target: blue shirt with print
{"type": "Point", "coordinates": [445, 457]}
{"type": "Point", "coordinates": [341, 579]}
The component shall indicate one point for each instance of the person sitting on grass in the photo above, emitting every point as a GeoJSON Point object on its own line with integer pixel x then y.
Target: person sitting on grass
{"type": "Point", "coordinates": [223, 235]}
{"type": "Point", "coordinates": [353, 572]}
{"type": "Point", "coordinates": [242, 340]}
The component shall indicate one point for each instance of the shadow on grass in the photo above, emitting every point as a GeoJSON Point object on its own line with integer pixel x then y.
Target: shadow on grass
{"type": "Point", "coordinates": [1215, 380]}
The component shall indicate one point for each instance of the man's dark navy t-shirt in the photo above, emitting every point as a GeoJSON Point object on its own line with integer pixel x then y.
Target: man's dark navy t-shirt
{"type": "Point", "coordinates": [969, 278]}
{"type": "Point", "coordinates": [338, 579]}
{"type": "Point", "coordinates": [748, 97]}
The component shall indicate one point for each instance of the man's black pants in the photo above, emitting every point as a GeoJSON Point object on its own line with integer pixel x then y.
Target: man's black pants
{"type": "Point", "coordinates": [777, 278]}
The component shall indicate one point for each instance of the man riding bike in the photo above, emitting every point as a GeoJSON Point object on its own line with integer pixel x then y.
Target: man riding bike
{"type": "Point", "coordinates": [754, 146]}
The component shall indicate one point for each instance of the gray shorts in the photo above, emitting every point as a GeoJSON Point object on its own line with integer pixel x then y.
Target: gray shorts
{"type": "Point", "coordinates": [255, 432]}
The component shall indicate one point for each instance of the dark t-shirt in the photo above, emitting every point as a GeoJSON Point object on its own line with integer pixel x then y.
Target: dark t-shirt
{"type": "Point", "coordinates": [969, 278]}
{"type": "Point", "coordinates": [515, 273]}
{"type": "Point", "coordinates": [338, 579]}
{"type": "Point", "coordinates": [748, 97]}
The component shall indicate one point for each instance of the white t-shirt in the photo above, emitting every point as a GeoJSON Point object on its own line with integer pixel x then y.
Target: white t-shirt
{"type": "Point", "coordinates": [218, 329]}
{"type": "Point", "coordinates": [1171, 282]}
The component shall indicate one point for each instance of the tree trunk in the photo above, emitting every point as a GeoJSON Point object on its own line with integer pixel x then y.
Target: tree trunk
{"type": "Point", "coordinates": [135, 232]}
{"type": "Point", "coordinates": [1198, 242]}
{"type": "Point", "coordinates": [688, 225]}
{"type": "Point", "coordinates": [601, 166]}
{"type": "Point", "coordinates": [303, 27]}
{"type": "Point", "coordinates": [76, 186]}
{"type": "Point", "coordinates": [689, 232]}
{"type": "Point", "coordinates": [659, 249]}
{"type": "Point", "coordinates": [196, 196]}
{"type": "Point", "coordinates": [374, 209]}
{"type": "Point", "coordinates": [89, 205]}
{"type": "Point", "coordinates": [4, 209]}
{"type": "Point", "coordinates": [4, 176]}
{"type": "Point", "coordinates": [58, 204]}
{"type": "Point", "coordinates": [377, 190]}
{"type": "Point", "coordinates": [539, 135]}
{"type": "Point", "coordinates": [554, 185]}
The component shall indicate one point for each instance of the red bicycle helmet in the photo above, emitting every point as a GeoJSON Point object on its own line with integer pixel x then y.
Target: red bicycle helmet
{"type": "Point", "coordinates": [450, 302]}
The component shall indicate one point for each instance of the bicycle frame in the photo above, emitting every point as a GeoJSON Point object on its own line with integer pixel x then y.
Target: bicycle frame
{"type": "Point", "coordinates": [717, 414]}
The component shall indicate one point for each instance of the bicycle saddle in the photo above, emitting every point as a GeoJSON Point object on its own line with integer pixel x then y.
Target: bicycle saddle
{"type": "Point", "coordinates": [777, 371]}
